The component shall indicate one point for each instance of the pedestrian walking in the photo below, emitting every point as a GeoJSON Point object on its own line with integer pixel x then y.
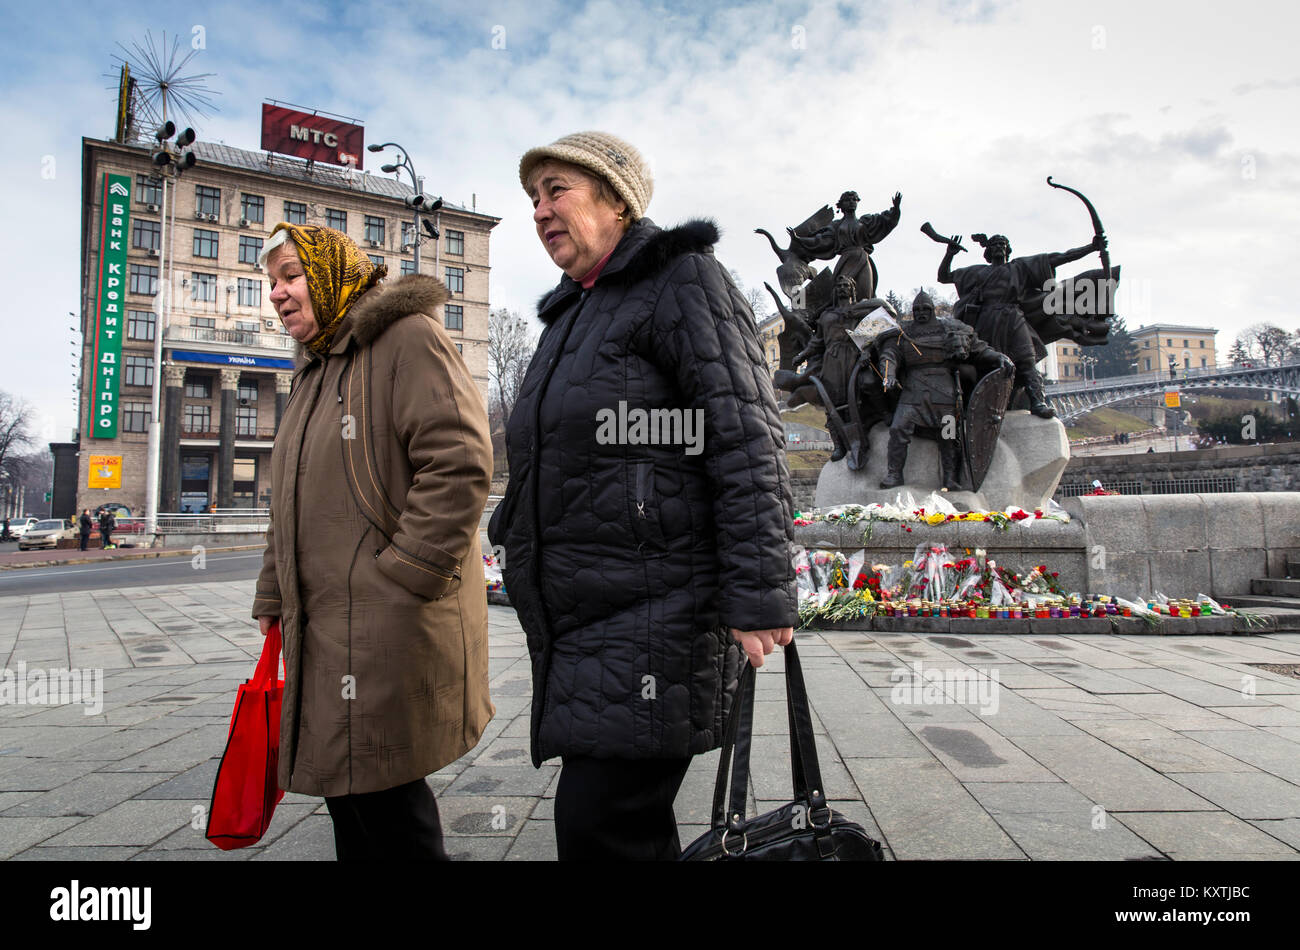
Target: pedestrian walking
{"type": "Point", "coordinates": [107, 522]}
{"type": "Point", "coordinates": [638, 566]}
{"type": "Point", "coordinates": [379, 475]}
{"type": "Point", "coordinates": [85, 525]}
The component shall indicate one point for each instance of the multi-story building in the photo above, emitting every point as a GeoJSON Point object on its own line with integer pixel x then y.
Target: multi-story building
{"type": "Point", "coordinates": [1187, 347]}
{"type": "Point", "coordinates": [227, 361]}
{"type": "Point", "coordinates": [768, 331]}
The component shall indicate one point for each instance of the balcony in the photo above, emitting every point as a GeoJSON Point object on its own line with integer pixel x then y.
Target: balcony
{"type": "Point", "coordinates": [227, 341]}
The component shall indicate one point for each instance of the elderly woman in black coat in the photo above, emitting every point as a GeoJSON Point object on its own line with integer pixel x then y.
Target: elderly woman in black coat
{"type": "Point", "coordinates": [647, 523]}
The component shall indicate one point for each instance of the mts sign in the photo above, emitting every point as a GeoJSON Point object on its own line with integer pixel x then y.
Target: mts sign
{"type": "Point", "coordinates": [317, 137]}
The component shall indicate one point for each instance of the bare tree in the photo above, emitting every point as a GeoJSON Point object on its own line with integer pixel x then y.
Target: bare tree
{"type": "Point", "coordinates": [16, 422]}
{"type": "Point", "coordinates": [759, 302]}
{"type": "Point", "coordinates": [1264, 342]}
{"type": "Point", "coordinates": [943, 303]}
{"type": "Point", "coordinates": [510, 348]}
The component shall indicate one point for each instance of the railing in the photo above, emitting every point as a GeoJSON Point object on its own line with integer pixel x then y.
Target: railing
{"type": "Point", "coordinates": [1200, 485]}
{"type": "Point", "coordinates": [264, 433]}
{"type": "Point", "coordinates": [221, 521]}
{"type": "Point", "coordinates": [245, 338]}
{"type": "Point", "coordinates": [809, 446]}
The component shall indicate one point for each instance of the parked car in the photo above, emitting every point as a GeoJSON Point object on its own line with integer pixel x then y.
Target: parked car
{"type": "Point", "coordinates": [126, 522]}
{"type": "Point", "coordinates": [18, 525]}
{"type": "Point", "coordinates": [46, 534]}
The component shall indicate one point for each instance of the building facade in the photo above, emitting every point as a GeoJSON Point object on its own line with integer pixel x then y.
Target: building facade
{"type": "Point", "coordinates": [227, 360]}
{"type": "Point", "coordinates": [1187, 347]}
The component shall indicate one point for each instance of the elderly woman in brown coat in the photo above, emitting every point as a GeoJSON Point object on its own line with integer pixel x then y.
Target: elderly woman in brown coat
{"type": "Point", "coordinates": [379, 474]}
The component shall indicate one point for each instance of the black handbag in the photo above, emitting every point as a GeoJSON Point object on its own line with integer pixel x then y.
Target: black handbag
{"type": "Point", "coordinates": [806, 829]}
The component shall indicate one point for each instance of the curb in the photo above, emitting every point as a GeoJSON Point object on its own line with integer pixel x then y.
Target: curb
{"type": "Point", "coordinates": [128, 557]}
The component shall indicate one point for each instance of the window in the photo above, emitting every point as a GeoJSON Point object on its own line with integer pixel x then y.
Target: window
{"type": "Point", "coordinates": [408, 235]}
{"type": "Point", "coordinates": [205, 243]}
{"type": "Point", "coordinates": [244, 482]}
{"type": "Point", "coordinates": [376, 260]}
{"type": "Point", "coordinates": [249, 248]}
{"type": "Point", "coordinates": [206, 323]}
{"type": "Point", "coordinates": [248, 326]}
{"type": "Point", "coordinates": [1201, 343]}
{"type": "Point", "coordinates": [203, 287]}
{"type": "Point", "coordinates": [250, 293]}
{"type": "Point", "coordinates": [455, 242]}
{"type": "Point", "coordinates": [135, 416]}
{"type": "Point", "coordinates": [1148, 362]}
{"type": "Point", "coordinates": [375, 229]}
{"type": "Point", "coordinates": [460, 347]}
{"type": "Point", "coordinates": [295, 212]}
{"type": "Point", "coordinates": [198, 387]}
{"type": "Point", "coordinates": [197, 419]}
{"type": "Point", "coordinates": [146, 235]}
{"type": "Point", "coordinates": [408, 267]}
{"type": "Point", "coordinates": [252, 208]}
{"type": "Point", "coordinates": [338, 220]}
{"type": "Point", "coordinates": [144, 279]}
{"type": "Point", "coordinates": [1202, 362]}
{"type": "Point", "coordinates": [455, 280]}
{"type": "Point", "coordinates": [248, 388]}
{"type": "Point", "coordinates": [138, 370]}
{"type": "Point", "coordinates": [1187, 363]}
{"type": "Point", "coordinates": [140, 324]}
{"type": "Point", "coordinates": [207, 200]}
{"type": "Point", "coordinates": [245, 420]}
{"type": "Point", "coordinates": [453, 317]}
{"type": "Point", "coordinates": [148, 190]}
{"type": "Point", "coordinates": [1184, 344]}
{"type": "Point", "coordinates": [1146, 344]}
{"type": "Point", "coordinates": [1169, 342]}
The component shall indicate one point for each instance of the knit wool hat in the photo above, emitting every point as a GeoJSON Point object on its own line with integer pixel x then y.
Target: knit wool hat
{"type": "Point", "coordinates": [604, 155]}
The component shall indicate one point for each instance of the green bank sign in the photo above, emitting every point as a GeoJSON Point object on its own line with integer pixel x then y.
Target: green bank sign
{"type": "Point", "coordinates": [109, 295]}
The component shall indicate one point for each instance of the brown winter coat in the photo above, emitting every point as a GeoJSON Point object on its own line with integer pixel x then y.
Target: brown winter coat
{"type": "Point", "coordinates": [379, 475]}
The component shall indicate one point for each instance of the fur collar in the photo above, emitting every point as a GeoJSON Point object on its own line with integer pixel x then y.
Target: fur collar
{"type": "Point", "coordinates": [644, 251]}
{"type": "Point", "coordinates": [387, 303]}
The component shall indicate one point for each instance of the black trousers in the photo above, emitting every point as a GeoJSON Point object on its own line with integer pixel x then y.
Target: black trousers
{"type": "Point", "coordinates": [85, 539]}
{"type": "Point", "coordinates": [396, 823]}
{"type": "Point", "coordinates": [618, 809]}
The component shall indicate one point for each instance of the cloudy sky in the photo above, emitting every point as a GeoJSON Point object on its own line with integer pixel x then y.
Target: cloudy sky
{"type": "Point", "coordinates": [1178, 121]}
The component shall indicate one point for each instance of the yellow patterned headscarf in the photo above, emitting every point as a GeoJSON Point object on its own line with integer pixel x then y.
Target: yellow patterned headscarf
{"type": "Point", "coordinates": [338, 273]}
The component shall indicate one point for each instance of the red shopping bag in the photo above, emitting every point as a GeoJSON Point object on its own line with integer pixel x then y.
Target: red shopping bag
{"type": "Point", "coordinates": [245, 793]}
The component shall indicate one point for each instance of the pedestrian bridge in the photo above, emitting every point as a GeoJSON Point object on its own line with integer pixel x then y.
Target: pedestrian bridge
{"type": "Point", "coordinates": [1072, 400]}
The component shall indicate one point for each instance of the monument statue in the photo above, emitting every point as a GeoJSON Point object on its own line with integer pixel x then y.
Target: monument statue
{"type": "Point", "coordinates": [1016, 305]}
{"type": "Point", "coordinates": [851, 238]}
{"type": "Point", "coordinates": [923, 360]}
{"type": "Point", "coordinates": [834, 377]}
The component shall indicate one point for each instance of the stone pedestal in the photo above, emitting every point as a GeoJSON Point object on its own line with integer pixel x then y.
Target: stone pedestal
{"type": "Point", "coordinates": [1027, 465]}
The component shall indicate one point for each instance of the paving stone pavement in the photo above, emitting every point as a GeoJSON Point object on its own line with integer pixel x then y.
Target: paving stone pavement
{"type": "Point", "coordinates": [1098, 746]}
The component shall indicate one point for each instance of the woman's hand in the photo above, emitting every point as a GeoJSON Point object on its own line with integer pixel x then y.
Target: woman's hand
{"type": "Point", "coordinates": [759, 643]}
{"type": "Point", "coordinates": [264, 622]}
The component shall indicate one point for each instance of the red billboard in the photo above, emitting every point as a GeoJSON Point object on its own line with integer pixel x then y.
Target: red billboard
{"type": "Point", "coordinates": [316, 137]}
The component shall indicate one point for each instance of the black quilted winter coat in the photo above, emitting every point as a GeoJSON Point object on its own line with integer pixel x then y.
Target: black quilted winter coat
{"type": "Point", "coordinates": [628, 560]}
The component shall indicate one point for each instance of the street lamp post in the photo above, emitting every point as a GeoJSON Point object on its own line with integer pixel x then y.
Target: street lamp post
{"type": "Point", "coordinates": [418, 202]}
{"type": "Point", "coordinates": [170, 162]}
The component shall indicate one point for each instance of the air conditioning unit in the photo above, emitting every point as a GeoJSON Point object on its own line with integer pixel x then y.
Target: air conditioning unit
{"type": "Point", "coordinates": [257, 267]}
{"type": "Point", "coordinates": [269, 324]}
{"type": "Point", "coordinates": [152, 207]}
{"type": "Point", "coordinates": [199, 215]}
{"type": "Point", "coordinates": [230, 288]}
{"type": "Point", "coordinates": [185, 282]}
{"type": "Point", "coordinates": [374, 244]}
{"type": "Point", "coordinates": [243, 222]}
{"type": "Point", "coordinates": [243, 402]}
{"type": "Point", "coordinates": [212, 217]}
{"type": "Point", "coordinates": [152, 252]}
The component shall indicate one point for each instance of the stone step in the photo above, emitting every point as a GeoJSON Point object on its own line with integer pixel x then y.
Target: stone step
{"type": "Point", "coordinates": [1249, 601]}
{"type": "Point", "coordinates": [1275, 587]}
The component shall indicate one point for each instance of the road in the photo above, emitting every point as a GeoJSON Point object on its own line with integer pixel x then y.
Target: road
{"type": "Point", "coordinates": [145, 572]}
